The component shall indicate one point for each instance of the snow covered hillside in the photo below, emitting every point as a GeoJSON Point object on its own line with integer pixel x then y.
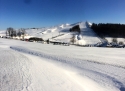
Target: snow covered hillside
{"type": "Point", "coordinates": [62, 33]}
{"type": "Point", "coordinates": [2, 33]}
{"type": "Point", "coordinates": [29, 66]}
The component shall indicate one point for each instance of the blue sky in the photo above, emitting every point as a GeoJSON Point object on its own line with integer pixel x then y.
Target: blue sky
{"type": "Point", "coordinates": [43, 13]}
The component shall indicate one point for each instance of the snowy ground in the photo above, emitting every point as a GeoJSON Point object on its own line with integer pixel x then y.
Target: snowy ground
{"type": "Point", "coordinates": [118, 39]}
{"type": "Point", "coordinates": [28, 66]}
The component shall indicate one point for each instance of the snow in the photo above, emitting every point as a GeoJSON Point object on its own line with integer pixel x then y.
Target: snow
{"type": "Point", "coordinates": [28, 66]}
{"type": "Point", "coordinates": [118, 39]}
{"type": "Point", "coordinates": [61, 33]}
{"type": "Point", "coordinates": [90, 23]}
{"type": "Point", "coordinates": [2, 33]}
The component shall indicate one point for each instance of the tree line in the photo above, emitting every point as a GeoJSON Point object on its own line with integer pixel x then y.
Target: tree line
{"type": "Point", "coordinates": [75, 29]}
{"type": "Point", "coordinates": [109, 29]}
{"type": "Point", "coordinates": [35, 39]}
{"type": "Point", "coordinates": [13, 33]}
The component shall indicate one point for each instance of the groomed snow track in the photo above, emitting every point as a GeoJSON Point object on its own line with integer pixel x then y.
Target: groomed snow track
{"type": "Point", "coordinates": [102, 73]}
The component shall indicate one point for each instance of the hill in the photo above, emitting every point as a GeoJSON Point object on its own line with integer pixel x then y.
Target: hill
{"type": "Point", "coordinates": [62, 33]}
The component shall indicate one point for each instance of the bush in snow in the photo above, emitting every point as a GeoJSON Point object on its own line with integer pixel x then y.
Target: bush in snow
{"type": "Point", "coordinates": [121, 43]}
{"type": "Point", "coordinates": [79, 37]}
{"type": "Point", "coordinates": [73, 39]}
{"type": "Point", "coordinates": [114, 40]}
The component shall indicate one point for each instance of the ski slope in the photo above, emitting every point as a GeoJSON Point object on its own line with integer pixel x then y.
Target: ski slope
{"type": "Point", "coordinates": [61, 33]}
{"type": "Point", "coordinates": [29, 66]}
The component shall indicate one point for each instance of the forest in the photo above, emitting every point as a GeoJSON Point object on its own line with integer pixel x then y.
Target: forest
{"type": "Point", "coordinates": [75, 29]}
{"type": "Point", "coordinates": [109, 30]}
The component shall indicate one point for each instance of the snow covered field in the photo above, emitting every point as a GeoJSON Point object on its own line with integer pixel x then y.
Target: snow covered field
{"type": "Point", "coordinates": [29, 66]}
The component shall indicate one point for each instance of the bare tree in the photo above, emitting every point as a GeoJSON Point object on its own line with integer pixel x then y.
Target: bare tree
{"type": "Point", "coordinates": [11, 32]}
{"type": "Point", "coordinates": [19, 33]}
{"type": "Point", "coordinates": [73, 40]}
{"type": "Point", "coordinates": [6, 33]}
{"type": "Point", "coordinates": [23, 32]}
{"type": "Point", "coordinates": [114, 40]}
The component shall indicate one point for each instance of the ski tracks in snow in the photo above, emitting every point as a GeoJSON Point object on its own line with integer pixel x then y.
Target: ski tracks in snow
{"type": "Point", "coordinates": [110, 76]}
{"type": "Point", "coordinates": [14, 72]}
{"type": "Point", "coordinates": [23, 72]}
